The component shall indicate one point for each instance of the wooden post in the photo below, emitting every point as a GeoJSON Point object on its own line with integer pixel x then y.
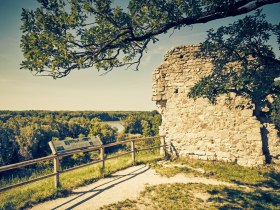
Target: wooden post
{"type": "Point", "coordinates": [133, 151]}
{"type": "Point", "coordinates": [102, 152]}
{"type": "Point", "coordinates": [163, 149]}
{"type": "Point", "coordinates": [56, 169]}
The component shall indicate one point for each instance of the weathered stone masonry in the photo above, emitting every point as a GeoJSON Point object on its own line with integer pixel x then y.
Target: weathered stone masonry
{"type": "Point", "coordinates": [202, 130]}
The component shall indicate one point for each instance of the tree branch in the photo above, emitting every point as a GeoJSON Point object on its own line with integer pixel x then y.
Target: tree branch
{"type": "Point", "coordinates": [113, 32]}
{"type": "Point", "coordinates": [212, 15]}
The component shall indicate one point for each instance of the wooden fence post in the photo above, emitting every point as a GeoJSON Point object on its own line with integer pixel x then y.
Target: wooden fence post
{"type": "Point", "coordinates": [56, 170]}
{"type": "Point", "coordinates": [163, 150]}
{"type": "Point", "coordinates": [133, 151]}
{"type": "Point", "coordinates": [102, 152]}
{"type": "Point", "coordinates": [56, 159]}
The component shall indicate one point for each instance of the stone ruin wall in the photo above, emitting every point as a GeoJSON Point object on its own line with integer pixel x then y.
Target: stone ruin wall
{"type": "Point", "coordinates": [201, 130]}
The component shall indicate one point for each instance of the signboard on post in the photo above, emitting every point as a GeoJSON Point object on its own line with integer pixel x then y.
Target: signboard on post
{"type": "Point", "coordinates": [74, 144]}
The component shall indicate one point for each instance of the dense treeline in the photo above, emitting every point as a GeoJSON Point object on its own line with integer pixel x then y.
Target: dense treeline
{"type": "Point", "coordinates": [67, 115]}
{"type": "Point", "coordinates": [146, 124]}
{"type": "Point", "coordinates": [24, 135]}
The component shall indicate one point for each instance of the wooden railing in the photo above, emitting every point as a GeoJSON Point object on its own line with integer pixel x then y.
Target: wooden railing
{"type": "Point", "coordinates": [57, 169]}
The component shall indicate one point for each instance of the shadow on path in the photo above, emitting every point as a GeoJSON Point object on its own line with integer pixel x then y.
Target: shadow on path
{"type": "Point", "coordinates": [99, 191]}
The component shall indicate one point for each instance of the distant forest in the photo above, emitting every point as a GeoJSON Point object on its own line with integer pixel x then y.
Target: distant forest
{"type": "Point", "coordinates": [24, 135]}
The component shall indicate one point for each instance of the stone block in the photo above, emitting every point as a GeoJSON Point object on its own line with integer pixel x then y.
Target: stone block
{"type": "Point", "coordinates": [199, 152]}
{"type": "Point", "coordinates": [161, 89]}
{"type": "Point", "coordinates": [202, 158]}
{"type": "Point", "coordinates": [226, 159]}
{"type": "Point", "coordinates": [223, 154]}
{"type": "Point", "coordinates": [210, 153]}
{"type": "Point", "coordinates": [156, 98]}
{"type": "Point", "coordinates": [194, 157]}
{"type": "Point", "coordinates": [242, 162]}
{"type": "Point", "coordinates": [276, 161]}
{"type": "Point", "coordinates": [211, 158]}
{"type": "Point", "coordinates": [253, 137]}
{"type": "Point", "coordinates": [247, 112]}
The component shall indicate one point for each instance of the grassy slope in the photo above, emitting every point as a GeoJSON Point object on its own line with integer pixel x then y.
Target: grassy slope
{"type": "Point", "coordinates": [262, 189]}
{"type": "Point", "coordinates": [25, 196]}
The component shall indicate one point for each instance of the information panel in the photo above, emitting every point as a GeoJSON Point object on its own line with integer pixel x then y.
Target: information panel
{"type": "Point", "coordinates": [73, 144]}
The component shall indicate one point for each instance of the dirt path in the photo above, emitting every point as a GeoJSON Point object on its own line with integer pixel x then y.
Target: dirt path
{"type": "Point", "coordinates": [120, 186]}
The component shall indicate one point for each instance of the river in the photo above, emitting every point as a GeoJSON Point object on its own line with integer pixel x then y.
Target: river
{"type": "Point", "coordinates": [116, 124]}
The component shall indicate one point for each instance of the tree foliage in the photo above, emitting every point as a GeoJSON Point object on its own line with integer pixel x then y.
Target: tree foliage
{"type": "Point", "coordinates": [8, 146]}
{"type": "Point", "coordinates": [106, 133]}
{"type": "Point", "coordinates": [62, 35]}
{"type": "Point", "coordinates": [146, 124]}
{"type": "Point", "coordinates": [24, 135]}
{"type": "Point", "coordinates": [244, 62]}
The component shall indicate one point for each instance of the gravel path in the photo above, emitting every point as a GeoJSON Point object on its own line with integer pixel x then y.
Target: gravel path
{"type": "Point", "coordinates": [125, 184]}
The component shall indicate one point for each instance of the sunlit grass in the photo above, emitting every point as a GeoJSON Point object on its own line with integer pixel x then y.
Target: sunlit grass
{"type": "Point", "coordinates": [26, 173]}
{"type": "Point", "coordinates": [229, 172]}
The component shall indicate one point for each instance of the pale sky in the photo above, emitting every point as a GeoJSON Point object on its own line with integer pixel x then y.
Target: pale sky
{"type": "Point", "coordinates": [86, 89]}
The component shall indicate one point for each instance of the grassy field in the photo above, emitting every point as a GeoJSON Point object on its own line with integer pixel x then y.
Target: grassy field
{"type": "Point", "coordinates": [255, 188]}
{"type": "Point", "coordinates": [27, 195]}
